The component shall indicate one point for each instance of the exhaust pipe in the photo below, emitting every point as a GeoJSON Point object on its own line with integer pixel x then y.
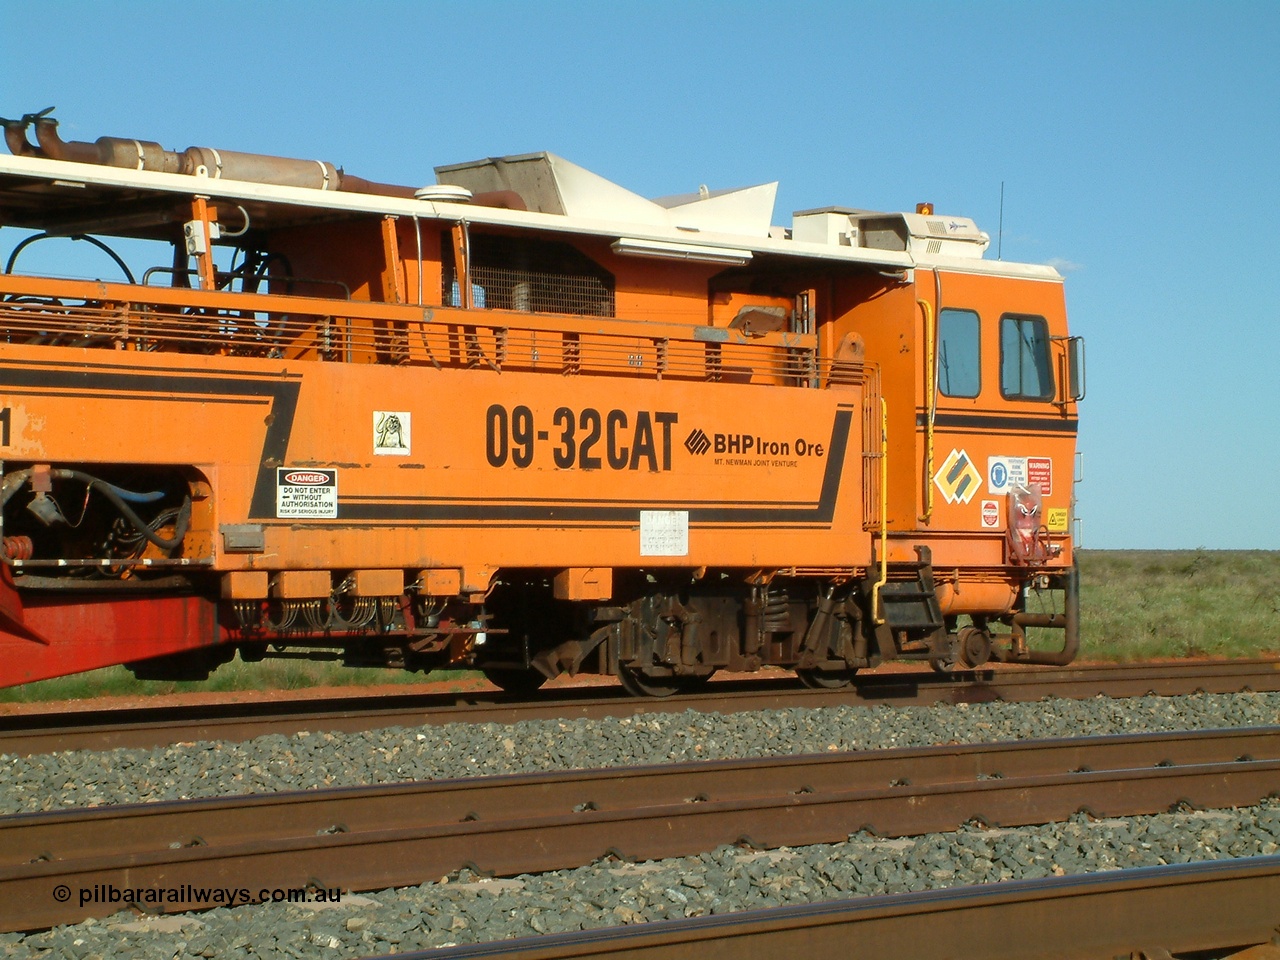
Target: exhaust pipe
{"type": "Point", "coordinates": [15, 134]}
{"type": "Point", "coordinates": [208, 161]}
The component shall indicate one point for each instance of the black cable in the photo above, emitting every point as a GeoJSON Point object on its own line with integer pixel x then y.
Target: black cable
{"type": "Point", "coordinates": [117, 496]}
{"type": "Point", "coordinates": [109, 491]}
{"type": "Point", "coordinates": [8, 268]}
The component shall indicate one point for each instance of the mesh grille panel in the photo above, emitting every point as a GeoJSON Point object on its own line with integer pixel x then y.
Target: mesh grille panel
{"type": "Point", "coordinates": [509, 273]}
{"type": "Point", "coordinates": [528, 290]}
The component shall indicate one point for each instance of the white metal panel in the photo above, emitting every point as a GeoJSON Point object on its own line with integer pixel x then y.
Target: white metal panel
{"type": "Point", "coordinates": [605, 226]}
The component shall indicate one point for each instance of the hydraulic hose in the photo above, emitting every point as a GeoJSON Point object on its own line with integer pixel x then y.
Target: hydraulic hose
{"type": "Point", "coordinates": [107, 490]}
{"type": "Point", "coordinates": [119, 498]}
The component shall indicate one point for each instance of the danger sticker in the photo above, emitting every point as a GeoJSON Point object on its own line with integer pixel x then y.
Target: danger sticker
{"type": "Point", "coordinates": [1056, 519]}
{"type": "Point", "coordinates": [990, 514]}
{"type": "Point", "coordinates": [664, 533]}
{"type": "Point", "coordinates": [305, 494]}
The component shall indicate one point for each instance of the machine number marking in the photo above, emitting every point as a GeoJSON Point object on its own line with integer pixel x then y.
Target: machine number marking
{"type": "Point", "coordinates": [4, 427]}
{"type": "Point", "coordinates": [584, 439]}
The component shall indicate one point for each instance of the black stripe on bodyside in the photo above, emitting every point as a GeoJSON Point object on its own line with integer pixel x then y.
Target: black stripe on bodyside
{"type": "Point", "coordinates": [576, 512]}
{"type": "Point", "coordinates": [99, 378]}
{"type": "Point", "coordinates": [99, 395]}
{"type": "Point", "coordinates": [275, 445]}
{"type": "Point", "coordinates": [1002, 423]}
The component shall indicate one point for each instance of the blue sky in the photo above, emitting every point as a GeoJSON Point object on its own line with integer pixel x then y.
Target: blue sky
{"type": "Point", "coordinates": [1138, 144]}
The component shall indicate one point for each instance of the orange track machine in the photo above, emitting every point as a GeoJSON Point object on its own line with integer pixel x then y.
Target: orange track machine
{"type": "Point", "coordinates": [522, 419]}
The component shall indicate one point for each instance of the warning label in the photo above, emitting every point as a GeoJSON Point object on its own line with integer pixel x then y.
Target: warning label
{"type": "Point", "coordinates": [304, 494]}
{"type": "Point", "coordinates": [990, 514]}
{"type": "Point", "coordinates": [1040, 471]}
{"type": "Point", "coordinates": [664, 533]}
{"type": "Point", "coordinates": [1010, 473]}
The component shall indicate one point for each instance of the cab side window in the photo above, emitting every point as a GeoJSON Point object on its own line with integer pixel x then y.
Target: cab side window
{"type": "Point", "coordinates": [1026, 372]}
{"type": "Point", "coordinates": [959, 371]}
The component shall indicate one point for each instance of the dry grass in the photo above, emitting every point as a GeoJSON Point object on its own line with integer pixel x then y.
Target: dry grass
{"type": "Point", "coordinates": [236, 675]}
{"type": "Point", "coordinates": [1136, 605]}
{"type": "Point", "coordinates": [1148, 604]}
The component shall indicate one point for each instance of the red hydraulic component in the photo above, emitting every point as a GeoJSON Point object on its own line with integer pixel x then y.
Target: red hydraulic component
{"type": "Point", "coordinates": [17, 548]}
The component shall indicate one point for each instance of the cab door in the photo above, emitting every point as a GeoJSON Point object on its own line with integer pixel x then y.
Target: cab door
{"type": "Point", "coordinates": [998, 420]}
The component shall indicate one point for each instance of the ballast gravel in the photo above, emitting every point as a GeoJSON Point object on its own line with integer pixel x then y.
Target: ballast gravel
{"type": "Point", "coordinates": [464, 908]}
{"type": "Point", "coordinates": [305, 761]}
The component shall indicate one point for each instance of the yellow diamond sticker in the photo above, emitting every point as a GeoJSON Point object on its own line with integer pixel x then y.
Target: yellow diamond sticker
{"type": "Point", "coordinates": [958, 479]}
{"type": "Point", "coordinates": [1056, 519]}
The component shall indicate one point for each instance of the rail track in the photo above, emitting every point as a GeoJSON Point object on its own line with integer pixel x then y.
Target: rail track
{"type": "Point", "coordinates": [371, 838]}
{"type": "Point", "coordinates": [1144, 914]}
{"type": "Point", "coordinates": [153, 726]}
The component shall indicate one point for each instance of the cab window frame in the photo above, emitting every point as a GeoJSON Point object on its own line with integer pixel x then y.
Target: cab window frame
{"type": "Point", "coordinates": [957, 313]}
{"type": "Point", "coordinates": [1041, 360]}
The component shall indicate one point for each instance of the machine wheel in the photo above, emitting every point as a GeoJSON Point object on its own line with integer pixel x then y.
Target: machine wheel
{"type": "Point", "coordinates": [975, 647]}
{"type": "Point", "coordinates": [515, 681]}
{"type": "Point", "coordinates": [638, 685]}
{"type": "Point", "coordinates": [825, 679]}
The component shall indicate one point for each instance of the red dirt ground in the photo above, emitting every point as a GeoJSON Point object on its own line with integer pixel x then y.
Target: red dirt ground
{"type": "Point", "coordinates": [427, 686]}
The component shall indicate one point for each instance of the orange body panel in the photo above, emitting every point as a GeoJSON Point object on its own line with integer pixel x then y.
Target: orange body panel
{"type": "Point", "coordinates": [445, 502]}
{"type": "Point", "coordinates": [966, 530]}
{"type": "Point", "coordinates": [380, 429]}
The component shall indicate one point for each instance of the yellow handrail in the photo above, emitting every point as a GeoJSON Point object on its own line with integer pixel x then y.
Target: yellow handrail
{"type": "Point", "coordinates": [931, 365]}
{"type": "Point", "coordinates": [884, 513]}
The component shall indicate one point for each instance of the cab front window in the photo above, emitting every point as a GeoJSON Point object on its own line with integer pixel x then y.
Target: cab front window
{"type": "Point", "coordinates": [1026, 372]}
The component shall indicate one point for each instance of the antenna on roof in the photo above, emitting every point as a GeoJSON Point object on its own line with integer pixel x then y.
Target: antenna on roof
{"type": "Point", "coordinates": [1000, 235]}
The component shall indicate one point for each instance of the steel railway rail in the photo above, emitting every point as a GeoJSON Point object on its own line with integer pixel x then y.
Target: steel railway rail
{"type": "Point", "coordinates": [371, 838]}
{"type": "Point", "coordinates": [1144, 914]}
{"type": "Point", "coordinates": [161, 725]}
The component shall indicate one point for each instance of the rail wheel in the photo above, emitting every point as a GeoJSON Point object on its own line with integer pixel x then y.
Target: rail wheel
{"type": "Point", "coordinates": [639, 685]}
{"type": "Point", "coordinates": [825, 679]}
{"type": "Point", "coordinates": [975, 647]}
{"type": "Point", "coordinates": [515, 681]}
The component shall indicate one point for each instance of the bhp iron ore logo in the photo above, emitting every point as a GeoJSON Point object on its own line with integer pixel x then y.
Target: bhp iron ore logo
{"type": "Point", "coordinates": [697, 443]}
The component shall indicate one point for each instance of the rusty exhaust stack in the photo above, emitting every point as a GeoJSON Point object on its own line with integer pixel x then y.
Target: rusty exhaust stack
{"type": "Point", "coordinates": [15, 133]}
{"type": "Point", "coordinates": [207, 161]}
